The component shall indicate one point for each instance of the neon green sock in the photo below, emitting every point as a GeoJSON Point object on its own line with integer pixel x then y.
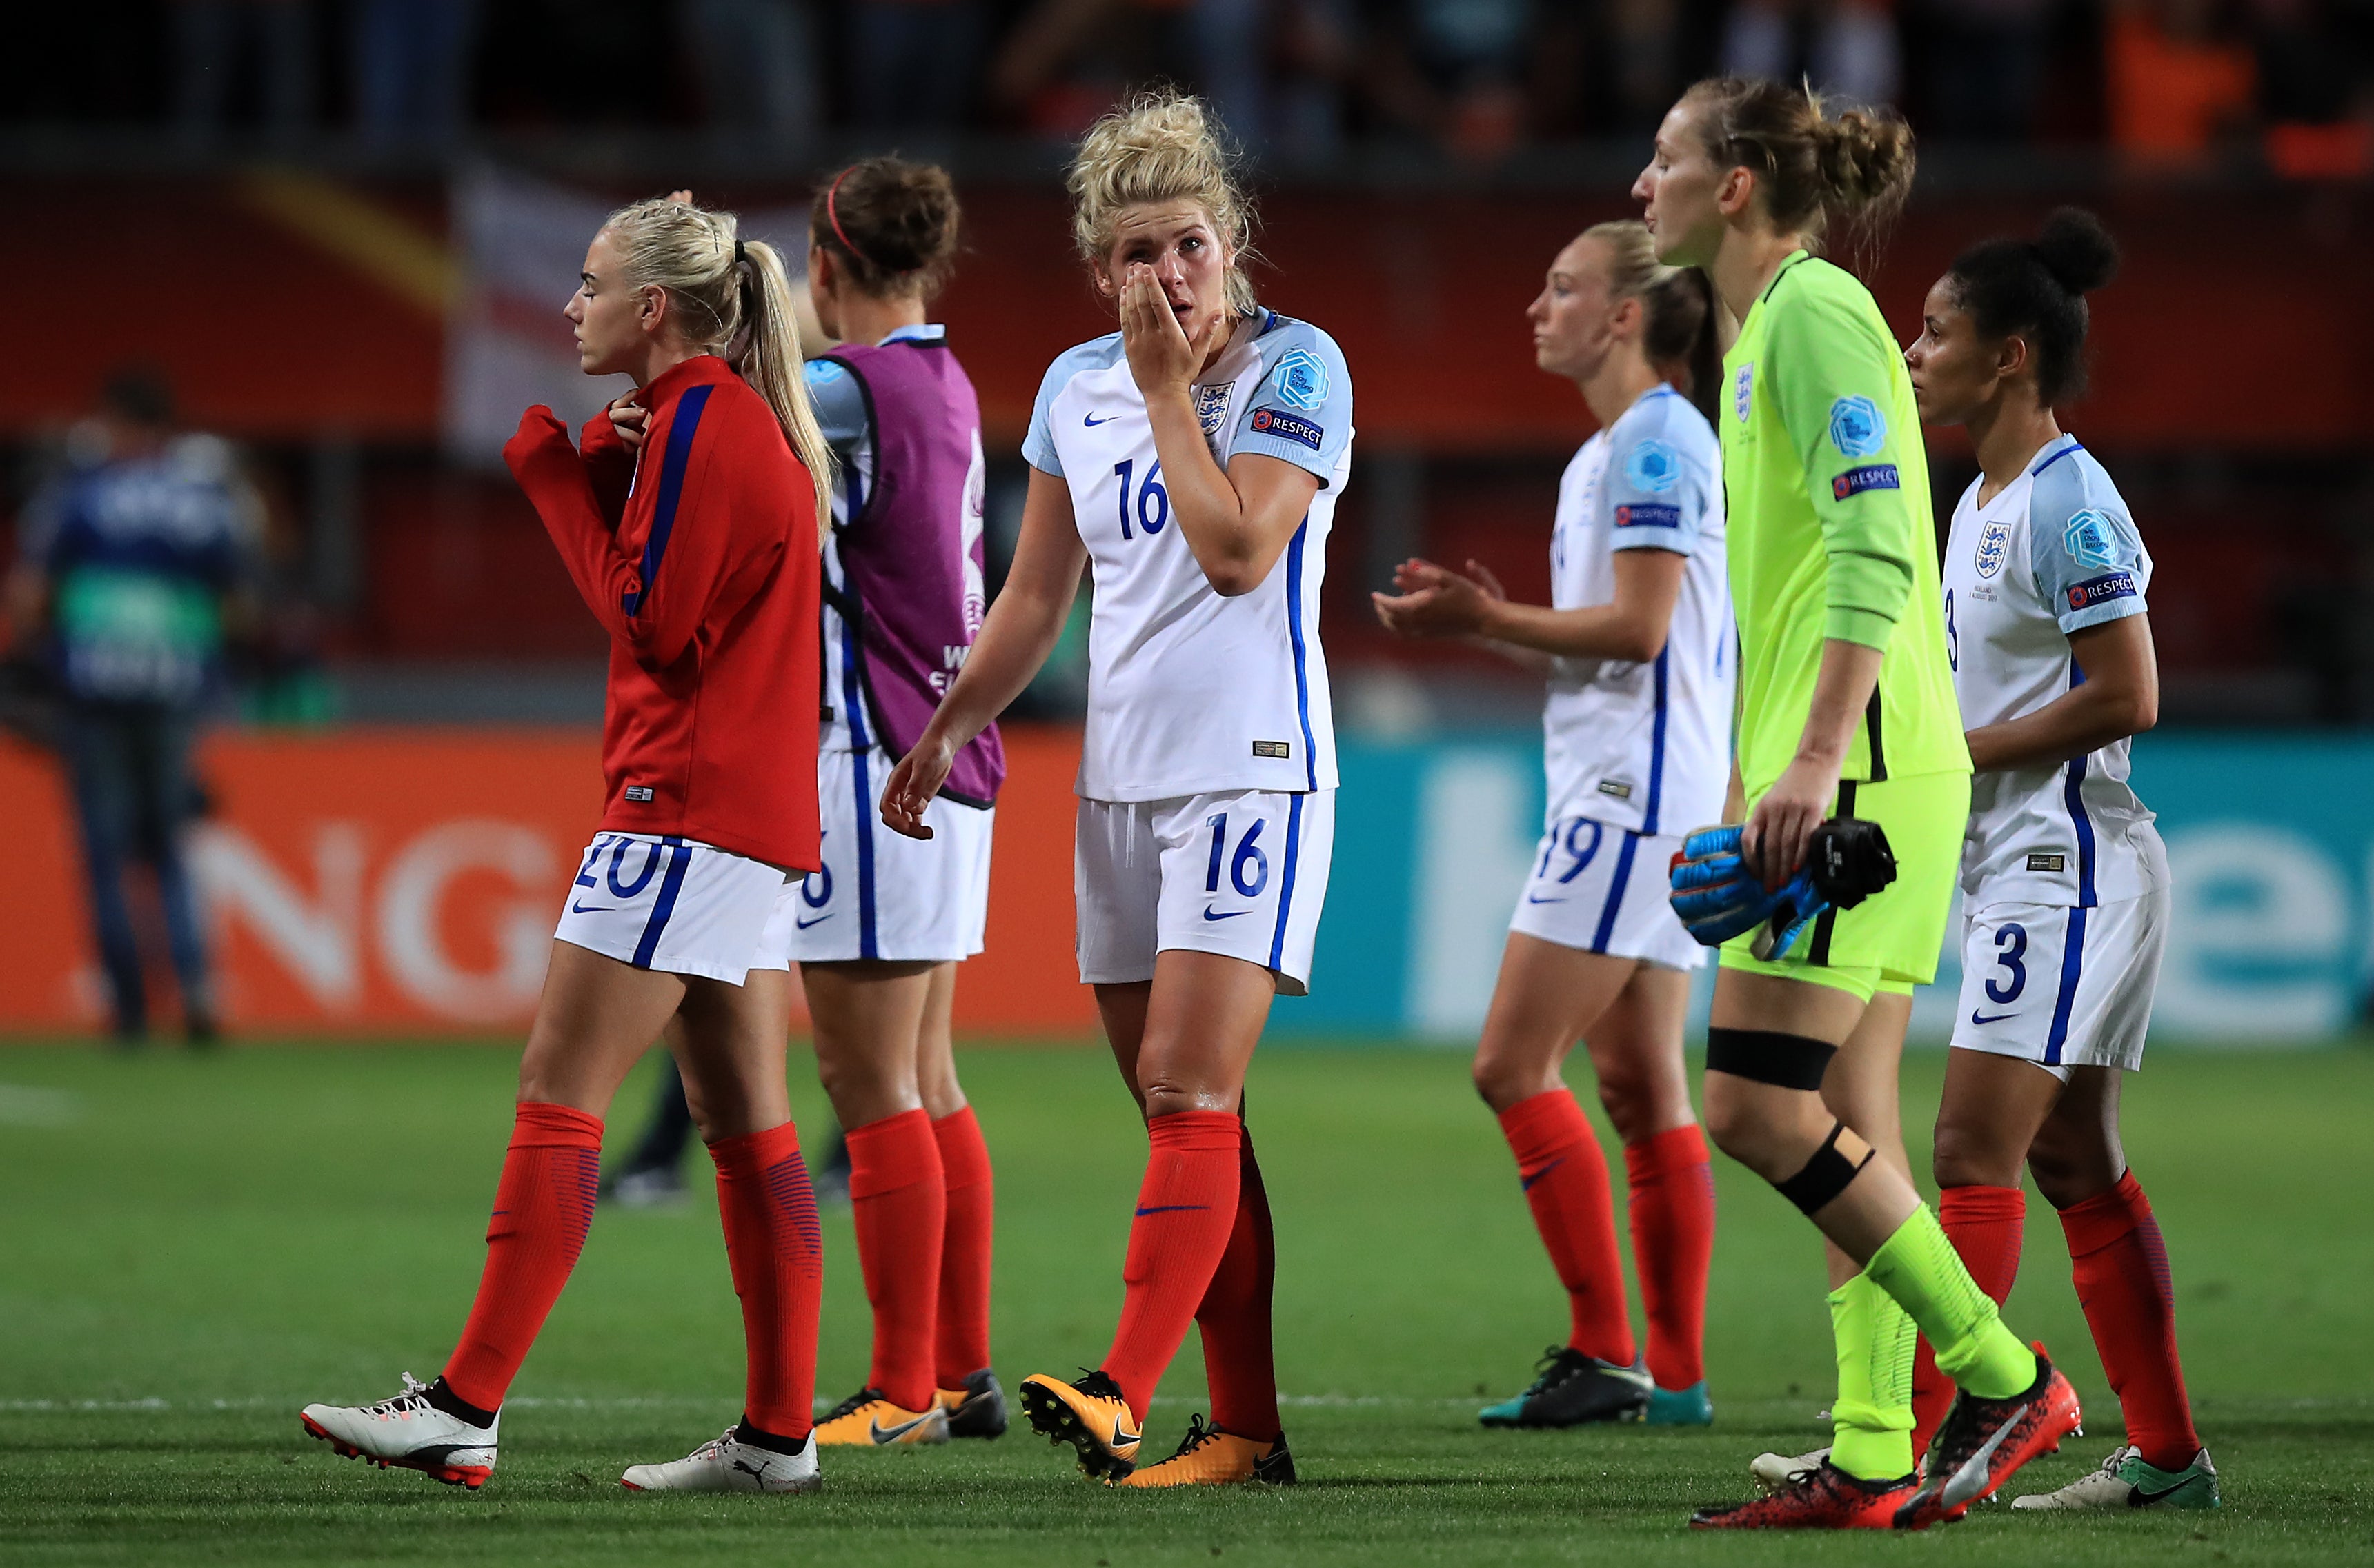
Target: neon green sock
{"type": "Point", "coordinates": [1919, 1267]}
{"type": "Point", "coordinates": [1872, 1417]}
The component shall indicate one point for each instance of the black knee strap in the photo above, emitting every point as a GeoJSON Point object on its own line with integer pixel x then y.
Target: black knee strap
{"type": "Point", "coordinates": [1825, 1176]}
{"type": "Point", "coordinates": [1760, 1055]}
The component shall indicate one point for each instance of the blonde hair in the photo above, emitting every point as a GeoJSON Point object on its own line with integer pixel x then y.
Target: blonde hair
{"type": "Point", "coordinates": [1160, 147]}
{"type": "Point", "coordinates": [1677, 303]}
{"type": "Point", "coordinates": [730, 298]}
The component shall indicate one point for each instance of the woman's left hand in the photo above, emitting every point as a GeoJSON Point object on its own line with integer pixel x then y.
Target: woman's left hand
{"type": "Point", "coordinates": [1163, 355]}
{"type": "Point", "coordinates": [1434, 602]}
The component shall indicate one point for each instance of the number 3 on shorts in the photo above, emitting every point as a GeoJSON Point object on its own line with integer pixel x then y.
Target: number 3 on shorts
{"type": "Point", "coordinates": [2011, 946]}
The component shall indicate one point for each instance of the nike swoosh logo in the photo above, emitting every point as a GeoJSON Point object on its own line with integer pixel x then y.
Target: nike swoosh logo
{"type": "Point", "coordinates": [1122, 1437]}
{"type": "Point", "coordinates": [1633, 1375]}
{"type": "Point", "coordinates": [1537, 898]}
{"type": "Point", "coordinates": [1170, 1209]}
{"type": "Point", "coordinates": [2144, 1499]}
{"type": "Point", "coordinates": [1525, 1184]}
{"type": "Point", "coordinates": [590, 909]}
{"type": "Point", "coordinates": [806, 924]}
{"type": "Point", "coordinates": [1977, 1017]}
{"type": "Point", "coordinates": [1210, 914]}
{"type": "Point", "coordinates": [1091, 421]}
{"type": "Point", "coordinates": [892, 1434]}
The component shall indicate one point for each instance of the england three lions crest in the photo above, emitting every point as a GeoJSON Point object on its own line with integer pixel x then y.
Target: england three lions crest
{"type": "Point", "coordinates": [1994, 542]}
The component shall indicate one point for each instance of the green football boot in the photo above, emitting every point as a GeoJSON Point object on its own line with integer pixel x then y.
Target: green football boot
{"type": "Point", "coordinates": [1680, 1407]}
{"type": "Point", "coordinates": [2125, 1481]}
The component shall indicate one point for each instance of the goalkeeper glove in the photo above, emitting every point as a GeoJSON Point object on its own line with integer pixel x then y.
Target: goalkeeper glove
{"type": "Point", "coordinates": [1715, 893]}
{"type": "Point", "coordinates": [1717, 896]}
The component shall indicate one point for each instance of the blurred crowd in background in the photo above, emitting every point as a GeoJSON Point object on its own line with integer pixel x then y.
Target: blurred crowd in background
{"type": "Point", "coordinates": [2287, 82]}
{"type": "Point", "coordinates": [297, 250]}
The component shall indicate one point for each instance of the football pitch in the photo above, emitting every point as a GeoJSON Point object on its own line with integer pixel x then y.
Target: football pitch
{"type": "Point", "coordinates": [194, 1247]}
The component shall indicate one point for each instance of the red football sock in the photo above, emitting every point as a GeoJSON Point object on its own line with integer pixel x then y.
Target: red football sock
{"type": "Point", "coordinates": [1186, 1211]}
{"type": "Point", "coordinates": [1234, 1317]}
{"type": "Point", "coordinates": [1985, 1224]}
{"type": "Point", "coordinates": [963, 1333]}
{"type": "Point", "coordinates": [1565, 1177]}
{"type": "Point", "coordinates": [776, 1250]}
{"type": "Point", "coordinates": [2121, 1265]}
{"type": "Point", "coordinates": [899, 1196]}
{"type": "Point", "coordinates": [1672, 1206]}
{"type": "Point", "coordinates": [543, 1205]}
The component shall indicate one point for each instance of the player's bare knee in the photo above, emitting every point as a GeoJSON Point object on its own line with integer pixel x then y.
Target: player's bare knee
{"type": "Point", "coordinates": [1963, 1155]}
{"type": "Point", "coordinates": [1500, 1079]}
{"type": "Point", "coordinates": [1738, 1127]}
{"type": "Point", "coordinates": [1162, 1099]}
{"type": "Point", "coordinates": [2070, 1170]}
{"type": "Point", "coordinates": [1763, 1097]}
{"type": "Point", "coordinates": [1630, 1101]}
{"type": "Point", "coordinates": [1164, 1090]}
{"type": "Point", "coordinates": [836, 1074]}
{"type": "Point", "coordinates": [545, 1080]}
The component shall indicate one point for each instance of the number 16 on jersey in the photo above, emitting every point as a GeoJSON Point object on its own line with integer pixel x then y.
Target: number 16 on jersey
{"type": "Point", "coordinates": [1153, 503]}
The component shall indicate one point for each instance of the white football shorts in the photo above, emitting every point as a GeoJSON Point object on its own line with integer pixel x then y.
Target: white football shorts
{"type": "Point", "coordinates": [882, 894]}
{"type": "Point", "coordinates": [670, 904]}
{"type": "Point", "coordinates": [2063, 987]}
{"type": "Point", "coordinates": [1607, 890]}
{"type": "Point", "coordinates": [1241, 872]}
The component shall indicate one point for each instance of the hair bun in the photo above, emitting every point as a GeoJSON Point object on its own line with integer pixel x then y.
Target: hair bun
{"type": "Point", "coordinates": [2077, 250]}
{"type": "Point", "coordinates": [896, 223]}
{"type": "Point", "coordinates": [1866, 158]}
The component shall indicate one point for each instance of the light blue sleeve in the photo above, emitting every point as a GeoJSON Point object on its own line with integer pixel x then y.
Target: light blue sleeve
{"type": "Point", "coordinates": [1659, 469]}
{"type": "Point", "coordinates": [1038, 441]}
{"type": "Point", "coordinates": [840, 404]}
{"type": "Point", "coordinates": [1301, 411]}
{"type": "Point", "coordinates": [2089, 561]}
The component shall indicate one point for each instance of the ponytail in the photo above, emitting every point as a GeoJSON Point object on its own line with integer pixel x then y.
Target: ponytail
{"type": "Point", "coordinates": [1682, 333]}
{"type": "Point", "coordinates": [731, 299]}
{"type": "Point", "coordinates": [767, 355]}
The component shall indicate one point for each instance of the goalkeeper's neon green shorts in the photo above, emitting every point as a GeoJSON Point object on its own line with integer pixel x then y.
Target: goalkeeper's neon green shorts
{"type": "Point", "coordinates": [1892, 939]}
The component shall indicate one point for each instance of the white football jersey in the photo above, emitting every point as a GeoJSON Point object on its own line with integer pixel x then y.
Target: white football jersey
{"type": "Point", "coordinates": [2054, 553]}
{"type": "Point", "coordinates": [1643, 746]}
{"type": "Point", "coordinates": [1187, 691]}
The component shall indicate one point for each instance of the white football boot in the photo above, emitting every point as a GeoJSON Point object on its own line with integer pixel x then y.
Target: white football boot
{"type": "Point", "coordinates": [730, 1465]}
{"type": "Point", "coordinates": [1776, 1473]}
{"type": "Point", "coordinates": [410, 1432]}
{"type": "Point", "coordinates": [2124, 1482]}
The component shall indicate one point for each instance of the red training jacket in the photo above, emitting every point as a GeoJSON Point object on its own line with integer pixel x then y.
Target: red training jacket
{"type": "Point", "coordinates": [698, 557]}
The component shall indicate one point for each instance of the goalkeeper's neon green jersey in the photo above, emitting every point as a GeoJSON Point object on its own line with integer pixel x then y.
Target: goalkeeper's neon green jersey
{"type": "Point", "coordinates": [1830, 532]}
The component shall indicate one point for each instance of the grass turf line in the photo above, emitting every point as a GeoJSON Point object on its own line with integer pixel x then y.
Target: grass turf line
{"type": "Point", "coordinates": [231, 1237]}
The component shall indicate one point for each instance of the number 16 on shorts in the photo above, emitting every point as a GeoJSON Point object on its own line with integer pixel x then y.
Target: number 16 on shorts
{"type": "Point", "coordinates": [1239, 872]}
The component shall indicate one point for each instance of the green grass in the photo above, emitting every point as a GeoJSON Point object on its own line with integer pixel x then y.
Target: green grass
{"type": "Point", "coordinates": [191, 1248]}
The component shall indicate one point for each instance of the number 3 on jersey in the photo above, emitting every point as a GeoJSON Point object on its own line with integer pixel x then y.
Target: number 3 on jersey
{"type": "Point", "coordinates": [1153, 500]}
